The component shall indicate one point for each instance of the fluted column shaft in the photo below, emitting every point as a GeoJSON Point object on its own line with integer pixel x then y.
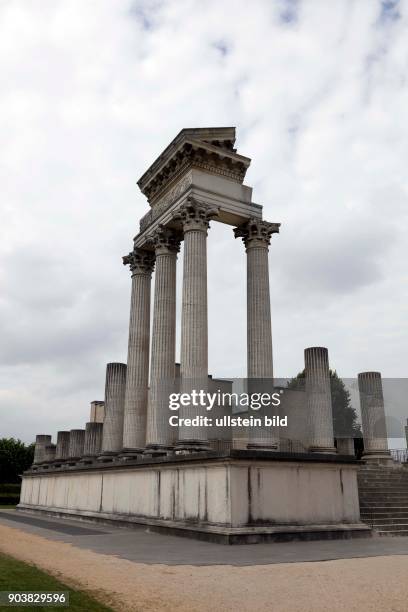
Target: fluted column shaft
{"type": "Point", "coordinates": [162, 368]}
{"type": "Point", "coordinates": [136, 396]}
{"type": "Point", "coordinates": [256, 235]}
{"type": "Point", "coordinates": [194, 217]}
{"type": "Point", "coordinates": [259, 328]}
{"type": "Point", "coordinates": [406, 432]}
{"type": "Point", "coordinates": [318, 396]}
{"type": "Point", "coordinates": [115, 386]}
{"type": "Point", "coordinates": [93, 439]}
{"type": "Point", "coordinates": [76, 443]}
{"type": "Point", "coordinates": [39, 450]}
{"type": "Point", "coordinates": [49, 453]}
{"type": "Point", "coordinates": [373, 416]}
{"type": "Point", "coordinates": [62, 451]}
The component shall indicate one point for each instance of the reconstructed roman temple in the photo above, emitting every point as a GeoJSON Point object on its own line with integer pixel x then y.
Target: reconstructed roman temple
{"type": "Point", "coordinates": [129, 464]}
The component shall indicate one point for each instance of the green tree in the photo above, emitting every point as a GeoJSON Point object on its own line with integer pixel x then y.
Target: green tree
{"type": "Point", "coordinates": [345, 423]}
{"type": "Point", "coordinates": [15, 458]}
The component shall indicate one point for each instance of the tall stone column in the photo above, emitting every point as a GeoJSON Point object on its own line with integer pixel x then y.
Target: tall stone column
{"type": "Point", "coordinates": [39, 450]}
{"type": "Point", "coordinates": [76, 445]}
{"type": "Point", "coordinates": [134, 432]}
{"type": "Point", "coordinates": [62, 451]}
{"type": "Point", "coordinates": [318, 397]}
{"type": "Point", "coordinates": [115, 386]}
{"type": "Point", "coordinates": [373, 418]}
{"type": "Point", "coordinates": [93, 441]}
{"type": "Point", "coordinates": [256, 235]}
{"type": "Point", "coordinates": [194, 217]}
{"type": "Point", "coordinates": [160, 435]}
{"type": "Point", "coordinates": [406, 432]}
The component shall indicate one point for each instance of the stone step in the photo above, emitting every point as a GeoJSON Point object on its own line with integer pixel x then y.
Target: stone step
{"type": "Point", "coordinates": [382, 522]}
{"type": "Point", "coordinates": [382, 492]}
{"type": "Point", "coordinates": [391, 515]}
{"type": "Point", "coordinates": [384, 499]}
{"type": "Point", "coordinates": [382, 478]}
{"type": "Point", "coordinates": [391, 533]}
{"type": "Point", "coordinates": [391, 481]}
{"type": "Point", "coordinates": [386, 489]}
{"type": "Point", "coordinates": [388, 527]}
{"type": "Point", "coordinates": [381, 507]}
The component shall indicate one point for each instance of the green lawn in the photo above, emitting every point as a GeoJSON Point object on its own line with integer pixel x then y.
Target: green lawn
{"type": "Point", "coordinates": [18, 576]}
{"type": "Point", "coordinates": [7, 507]}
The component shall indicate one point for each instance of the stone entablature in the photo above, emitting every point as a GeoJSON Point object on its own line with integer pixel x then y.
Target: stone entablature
{"type": "Point", "coordinates": [166, 201]}
{"type": "Point", "coordinates": [208, 148]}
{"type": "Point", "coordinates": [201, 163]}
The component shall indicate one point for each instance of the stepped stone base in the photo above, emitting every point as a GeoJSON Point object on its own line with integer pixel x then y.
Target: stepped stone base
{"type": "Point", "coordinates": [234, 497]}
{"type": "Point", "coordinates": [383, 493]}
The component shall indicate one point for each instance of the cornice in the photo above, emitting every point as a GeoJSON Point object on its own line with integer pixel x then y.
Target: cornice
{"type": "Point", "coordinates": [190, 149]}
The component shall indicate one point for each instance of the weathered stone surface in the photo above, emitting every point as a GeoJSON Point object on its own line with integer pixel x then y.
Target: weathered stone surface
{"type": "Point", "coordinates": [62, 452]}
{"type": "Point", "coordinates": [93, 439]}
{"type": "Point", "coordinates": [49, 453]}
{"type": "Point", "coordinates": [226, 493]}
{"type": "Point", "coordinates": [41, 441]}
{"type": "Point", "coordinates": [373, 417]}
{"type": "Point", "coordinates": [345, 446]}
{"type": "Point", "coordinates": [115, 387]}
{"type": "Point", "coordinates": [76, 444]}
{"type": "Point", "coordinates": [97, 413]}
{"type": "Point", "coordinates": [319, 403]}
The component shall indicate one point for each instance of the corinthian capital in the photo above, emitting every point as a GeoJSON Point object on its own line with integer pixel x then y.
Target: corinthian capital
{"type": "Point", "coordinates": [256, 232]}
{"type": "Point", "coordinates": [140, 261]}
{"type": "Point", "coordinates": [194, 215]}
{"type": "Point", "coordinates": [165, 239]}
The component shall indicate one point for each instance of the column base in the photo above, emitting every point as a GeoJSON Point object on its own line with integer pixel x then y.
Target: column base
{"type": "Point", "coordinates": [72, 461]}
{"type": "Point", "coordinates": [379, 457]}
{"type": "Point", "coordinates": [88, 459]}
{"type": "Point", "coordinates": [107, 456]}
{"type": "Point", "coordinates": [324, 450]}
{"type": "Point", "coordinates": [158, 450]}
{"type": "Point", "coordinates": [131, 454]}
{"type": "Point", "coordinates": [185, 447]}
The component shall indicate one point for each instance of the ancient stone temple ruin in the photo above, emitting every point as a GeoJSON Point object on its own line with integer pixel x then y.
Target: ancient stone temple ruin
{"type": "Point", "coordinates": [129, 464]}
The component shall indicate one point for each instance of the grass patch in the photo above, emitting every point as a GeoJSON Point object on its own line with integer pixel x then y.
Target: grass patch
{"type": "Point", "coordinates": [10, 488]}
{"type": "Point", "coordinates": [8, 506]}
{"type": "Point", "coordinates": [19, 576]}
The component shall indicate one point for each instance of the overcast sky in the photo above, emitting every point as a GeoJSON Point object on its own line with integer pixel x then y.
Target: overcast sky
{"type": "Point", "coordinates": [93, 90]}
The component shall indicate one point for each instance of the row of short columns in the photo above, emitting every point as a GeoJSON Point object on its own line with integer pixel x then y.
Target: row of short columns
{"type": "Point", "coordinates": [104, 441]}
{"type": "Point", "coordinates": [319, 405]}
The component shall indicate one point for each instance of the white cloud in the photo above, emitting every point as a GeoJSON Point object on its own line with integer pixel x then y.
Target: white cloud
{"type": "Point", "coordinates": [92, 91]}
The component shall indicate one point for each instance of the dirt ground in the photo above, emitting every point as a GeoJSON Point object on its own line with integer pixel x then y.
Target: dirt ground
{"type": "Point", "coordinates": [377, 584]}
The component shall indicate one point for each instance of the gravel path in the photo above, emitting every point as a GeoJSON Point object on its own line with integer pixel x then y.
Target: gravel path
{"type": "Point", "coordinates": [377, 584]}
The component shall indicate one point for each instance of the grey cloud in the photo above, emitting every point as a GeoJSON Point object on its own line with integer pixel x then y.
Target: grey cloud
{"type": "Point", "coordinates": [92, 97]}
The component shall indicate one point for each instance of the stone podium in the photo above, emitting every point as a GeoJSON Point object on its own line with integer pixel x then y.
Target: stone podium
{"type": "Point", "coordinates": [173, 479]}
